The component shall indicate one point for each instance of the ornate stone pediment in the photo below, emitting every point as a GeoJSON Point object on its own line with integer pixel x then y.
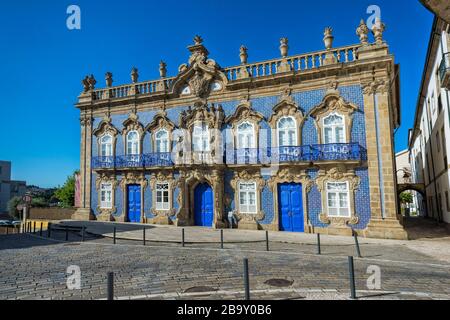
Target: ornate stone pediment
{"type": "Point", "coordinates": [199, 74]}
{"type": "Point", "coordinates": [290, 175]}
{"type": "Point", "coordinates": [285, 107]}
{"type": "Point", "coordinates": [212, 116]}
{"type": "Point", "coordinates": [132, 123]}
{"type": "Point", "coordinates": [163, 177]}
{"type": "Point", "coordinates": [105, 214]}
{"type": "Point", "coordinates": [105, 127]}
{"type": "Point", "coordinates": [160, 121]}
{"type": "Point", "coordinates": [244, 112]}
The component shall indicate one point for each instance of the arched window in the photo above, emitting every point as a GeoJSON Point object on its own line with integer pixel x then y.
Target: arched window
{"type": "Point", "coordinates": [162, 141]}
{"type": "Point", "coordinates": [334, 129]}
{"type": "Point", "coordinates": [246, 136]}
{"type": "Point", "coordinates": [287, 132]}
{"type": "Point", "coordinates": [133, 142]}
{"type": "Point", "coordinates": [106, 146]}
{"type": "Point", "coordinates": [200, 138]}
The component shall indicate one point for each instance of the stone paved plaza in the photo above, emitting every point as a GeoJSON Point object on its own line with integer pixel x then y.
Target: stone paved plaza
{"type": "Point", "coordinates": [35, 268]}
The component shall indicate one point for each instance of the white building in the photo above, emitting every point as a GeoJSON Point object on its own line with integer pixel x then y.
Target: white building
{"type": "Point", "coordinates": [429, 138]}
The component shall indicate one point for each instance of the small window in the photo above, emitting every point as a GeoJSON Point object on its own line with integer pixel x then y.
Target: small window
{"type": "Point", "coordinates": [186, 91]}
{"type": "Point", "coordinates": [338, 199]}
{"type": "Point", "coordinates": [246, 136]}
{"type": "Point", "coordinates": [106, 146]}
{"type": "Point", "coordinates": [247, 198]}
{"type": "Point", "coordinates": [106, 196]}
{"type": "Point", "coordinates": [133, 143]}
{"type": "Point", "coordinates": [216, 86]}
{"type": "Point", "coordinates": [162, 196]}
{"type": "Point", "coordinates": [334, 129]}
{"type": "Point", "coordinates": [287, 132]}
{"type": "Point", "coordinates": [162, 141]}
{"type": "Point", "coordinates": [200, 138]}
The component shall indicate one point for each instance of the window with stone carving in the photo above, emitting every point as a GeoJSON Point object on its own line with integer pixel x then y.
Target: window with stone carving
{"type": "Point", "coordinates": [200, 138]}
{"type": "Point", "coordinates": [247, 198]}
{"type": "Point", "coordinates": [287, 132]}
{"type": "Point", "coordinates": [106, 148]}
{"type": "Point", "coordinates": [334, 129]}
{"type": "Point", "coordinates": [162, 141]}
{"type": "Point", "coordinates": [106, 196]}
{"type": "Point", "coordinates": [338, 199]}
{"type": "Point", "coordinates": [133, 143]}
{"type": "Point", "coordinates": [246, 136]}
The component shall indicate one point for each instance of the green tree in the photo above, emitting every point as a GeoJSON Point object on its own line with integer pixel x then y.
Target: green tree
{"type": "Point", "coordinates": [12, 207]}
{"type": "Point", "coordinates": [66, 194]}
{"type": "Point", "coordinates": [39, 202]}
{"type": "Point", "coordinates": [406, 197]}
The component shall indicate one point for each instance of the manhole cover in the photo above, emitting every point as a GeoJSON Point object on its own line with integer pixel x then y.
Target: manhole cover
{"type": "Point", "coordinates": [279, 283]}
{"type": "Point", "coordinates": [199, 289]}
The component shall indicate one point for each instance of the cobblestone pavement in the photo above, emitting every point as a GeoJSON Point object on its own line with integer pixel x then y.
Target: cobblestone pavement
{"type": "Point", "coordinates": [35, 268]}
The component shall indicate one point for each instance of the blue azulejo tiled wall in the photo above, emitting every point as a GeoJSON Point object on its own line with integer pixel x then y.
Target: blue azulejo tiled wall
{"type": "Point", "coordinates": [362, 199]}
{"type": "Point", "coordinates": [148, 198]}
{"type": "Point", "coordinates": [267, 203]}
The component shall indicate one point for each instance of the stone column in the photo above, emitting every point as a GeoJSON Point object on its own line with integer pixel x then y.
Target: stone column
{"type": "Point", "coordinates": [381, 168]}
{"type": "Point", "coordinates": [85, 212]}
{"type": "Point", "coordinates": [219, 191]}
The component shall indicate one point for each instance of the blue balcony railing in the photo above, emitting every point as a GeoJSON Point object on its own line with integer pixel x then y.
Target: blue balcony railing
{"type": "Point", "coordinates": [307, 153]}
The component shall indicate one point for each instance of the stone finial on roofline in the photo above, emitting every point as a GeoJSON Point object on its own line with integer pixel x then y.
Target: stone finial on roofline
{"type": "Point", "coordinates": [243, 54]}
{"type": "Point", "coordinates": [284, 48]}
{"type": "Point", "coordinates": [162, 69]}
{"type": "Point", "coordinates": [377, 30]}
{"type": "Point", "coordinates": [363, 32]}
{"type": "Point", "coordinates": [89, 83]}
{"type": "Point", "coordinates": [328, 38]}
{"type": "Point", "coordinates": [109, 79]}
{"type": "Point", "coordinates": [134, 75]}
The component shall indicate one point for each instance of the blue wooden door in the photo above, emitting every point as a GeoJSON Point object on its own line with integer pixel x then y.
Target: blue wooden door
{"type": "Point", "coordinates": [134, 203]}
{"type": "Point", "coordinates": [203, 205]}
{"type": "Point", "coordinates": [290, 203]}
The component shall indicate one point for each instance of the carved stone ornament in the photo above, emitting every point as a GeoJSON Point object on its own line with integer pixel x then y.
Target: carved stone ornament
{"type": "Point", "coordinates": [377, 30]}
{"type": "Point", "coordinates": [249, 177]}
{"type": "Point", "coordinates": [161, 121]}
{"type": "Point", "coordinates": [163, 177]}
{"type": "Point", "coordinates": [106, 214]}
{"type": "Point", "coordinates": [362, 32]}
{"type": "Point", "coordinates": [105, 127]}
{"type": "Point", "coordinates": [86, 121]}
{"type": "Point", "coordinates": [200, 73]}
{"type": "Point", "coordinates": [89, 83]}
{"type": "Point", "coordinates": [333, 103]}
{"type": "Point", "coordinates": [338, 174]}
{"type": "Point", "coordinates": [137, 178]}
{"type": "Point", "coordinates": [376, 86]}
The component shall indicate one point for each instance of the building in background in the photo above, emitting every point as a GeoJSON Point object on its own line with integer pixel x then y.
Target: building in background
{"type": "Point", "coordinates": [9, 188]}
{"type": "Point", "coordinates": [403, 167]}
{"type": "Point", "coordinates": [429, 138]}
{"type": "Point", "coordinates": [299, 143]}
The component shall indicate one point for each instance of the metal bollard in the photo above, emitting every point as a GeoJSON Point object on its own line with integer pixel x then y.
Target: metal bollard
{"type": "Point", "coordinates": [143, 236]}
{"type": "Point", "coordinates": [7, 230]}
{"type": "Point", "coordinates": [319, 251]}
{"type": "Point", "coordinates": [82, 233]}
{"type": "Point", "coordinates": [221, 238]}
{"type": "Point", "coordinates": [40, 231]}
{"type": "Point", "coordinates": [267, 240]}
{"type": "Point", "coordinates": [182, 237]}
{"type": "Point", "coordinates": [246, 280]}
{"type": "Point", "coordinates": [34, 227]}
{"type": "Point", "coordinates": [110, 286]}
{"type": "Point", "coordinates": [351, 271]}
{"type": "Point", "coordinates": [358, 251]}
{"type": "Point", "coordinates": [49, 230]}
{"type": "Point", "coordinates": [114, 237]}
{"type": "Point", "coordinates": [67, 234]}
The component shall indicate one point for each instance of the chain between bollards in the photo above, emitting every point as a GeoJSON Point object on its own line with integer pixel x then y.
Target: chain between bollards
{"type": "Point", "coordinates": [110, 287]}
{"type": "Point", "coordinates": [358, 250]}
{"type": "Point", "coordinates": [246, 280]}
{"type": "Point", "coordinates": [319, 251]}
{"type": "Point", "coordinates": [351, 271]}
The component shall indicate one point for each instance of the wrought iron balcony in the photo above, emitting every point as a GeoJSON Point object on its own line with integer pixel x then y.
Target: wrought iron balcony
{"type": "Point", "coordinates": [133, 161]}
{"type": "Point", "coordinates": [444, 71]}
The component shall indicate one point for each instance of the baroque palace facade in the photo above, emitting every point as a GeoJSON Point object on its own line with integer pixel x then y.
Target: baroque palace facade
{"type": "Point", "coordinates": [301, 143]}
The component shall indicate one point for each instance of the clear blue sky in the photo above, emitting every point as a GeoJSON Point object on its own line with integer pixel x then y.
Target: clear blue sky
{"type": "Point", "coordinates": [42, 62]}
